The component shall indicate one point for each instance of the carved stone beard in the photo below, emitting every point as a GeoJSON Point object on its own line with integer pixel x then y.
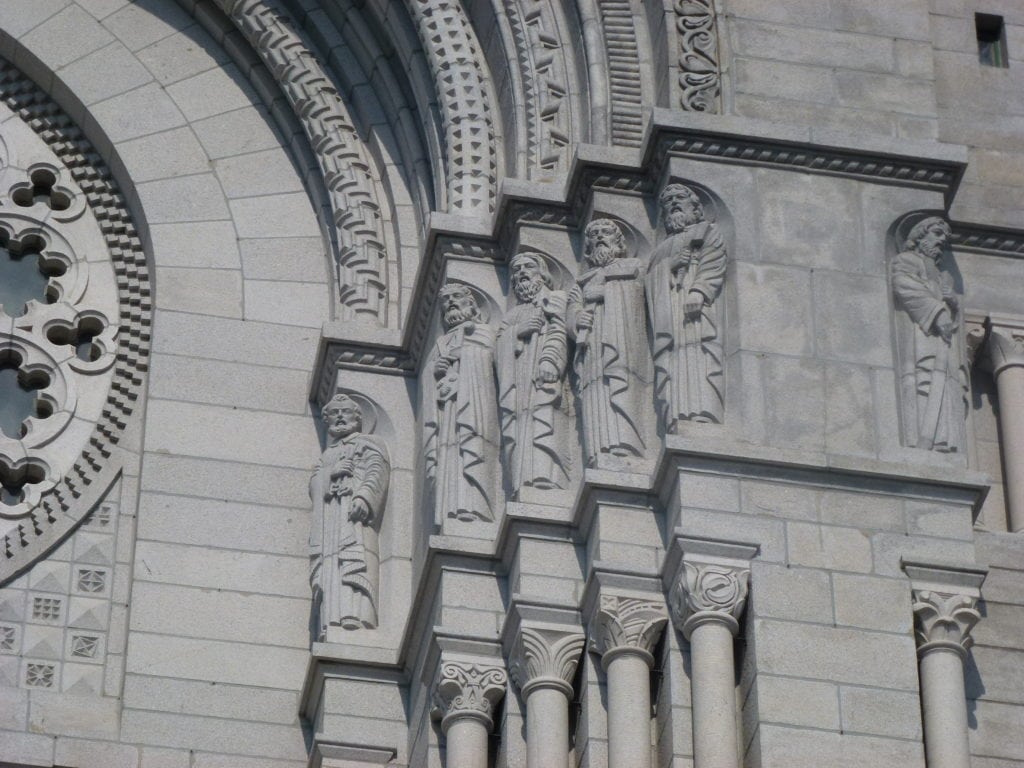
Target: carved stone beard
{"type": "Point", "coordinates": [455, 317]}
{"type": "Point", "coordinates": [933, 252]}
{"type": "Point", "coordinates": [678, 220]}
{"type": "Point", "coordinates": [527, 287]}
{"type": "Point", "coordinates": [603, 254]}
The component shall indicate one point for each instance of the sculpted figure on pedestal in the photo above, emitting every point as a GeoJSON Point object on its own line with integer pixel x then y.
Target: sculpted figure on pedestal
{"type": "Point", "coordinates": [459, 427]}
{"type": "Point", "coordinates": [684, 285]}
{"type": "Point", "coordinates": [349, 491]}
{"type": "Point", "coordinates": [933, 372]}
{"type": "Point", "coordinates": [611, 362]}
{"type": "Point", "coordinates": [532, 351]}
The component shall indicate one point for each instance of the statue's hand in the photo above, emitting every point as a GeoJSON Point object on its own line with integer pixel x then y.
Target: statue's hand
{"type": "Point", "coordinates": [944, 325]}
{"type": "Point", "coordinates": [547, 373]}
{"type": "Point", "coordinates": [441, 366]}
{"type": "Point", "coordinates": [584, 320]}
{"type": "Point", "coordinates": [360, 512]}
{"type": "Point", "coordinates": [694, 304]}
{"type": "Point", "coordinates": [534, 324]}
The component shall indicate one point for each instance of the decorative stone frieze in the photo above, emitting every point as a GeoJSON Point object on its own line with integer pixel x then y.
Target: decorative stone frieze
{"type": "Point", "coordinates": [627, 625]}
{"type": "Point", "coordinates": [362, 259]}
{"type": "Point", "coordinates": [468, 689]}
{"type": "Point", "coordinates": [699, 77]}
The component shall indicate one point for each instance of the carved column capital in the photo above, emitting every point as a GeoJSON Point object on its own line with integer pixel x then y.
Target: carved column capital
{"type": "Point", "coordinates": [624, 625]}
{"type": "Point", "coordinates": [545, 657]}
{"type": "Point", "coordinates": [709, 591]}
{"type": "Point", "coordinates": [467, 689]}
{"type": "Point", "coordinates": [1005, 344]}
{"type": "Point", "coordinates": [944, 621]}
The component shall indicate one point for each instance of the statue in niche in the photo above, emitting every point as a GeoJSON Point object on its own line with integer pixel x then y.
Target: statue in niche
{"type": "Point", "coordinates": [684, 285]}
{"type": "Point", "coordinates": [459, 428]}
{"type": "Point", "coordinates": [349, 491]}
{"type": "Point", "coordinates": [611, 362]}
{"type": "Point", "coordinates": [933, 371]}
{"type": "Point", "coordinates": [532, 352]}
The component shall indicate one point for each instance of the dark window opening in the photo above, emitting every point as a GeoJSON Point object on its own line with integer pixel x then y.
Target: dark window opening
{"type": "Point", "coordinates": [991, 39]}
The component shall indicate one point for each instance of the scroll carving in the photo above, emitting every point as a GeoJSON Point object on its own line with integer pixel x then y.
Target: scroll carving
{"type": "Point", "coordinates": [944, 621]}
{"type": "Point", "coordinates": [468, 689]}
{"type": "Point", "coordinates": [627, 622]}
{"type": "Point", "coordinates": [460, 436]}
{"type": "Point", "coordinates": [933, 370]}
{"type": "Point", "coordinates": [699, 76]}
{"type": "Point", "coordinates": [532, 352]}
{"type": "Point", "coordinates": [684, 284]}
{"type": "Point", "coordinates": [709, 588]}
{"type": "Point", "coordinates": [611, 361]}
{"type": "Point", "coordinates": [543, 656]}
{"type": "Point", "coordinates": [349, 491]}
{"type": "Point", "coordinates": [362, 267]}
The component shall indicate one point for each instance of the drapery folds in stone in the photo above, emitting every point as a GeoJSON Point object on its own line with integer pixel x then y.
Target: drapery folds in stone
{"type": "Point", "coordinates": [611, 361]}
{"type": "Point", "coordinates": [349, 491]}
{"type": "Point", "coordinates": [933, 372]}
{"type": "Point", "coordinates": [531, 355]}
{"type": "Point", "coordinates": [459, 407]}
{"type": "Point", "coordinates": [684, 283]}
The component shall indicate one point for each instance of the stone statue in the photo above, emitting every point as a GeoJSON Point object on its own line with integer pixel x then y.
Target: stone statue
{"type": "Point", "coordinates": [532, 352]}
{"type": "Point", "coordinates": [933, 370]}
{"type": "Point", "coordinates": [349, 491]}
{"type": "Point", "coordinates": [684, 285]}
{"type": "Point", "coordinates": [459, 428]}
{"type": "Point", "coordinates": [612, 361]}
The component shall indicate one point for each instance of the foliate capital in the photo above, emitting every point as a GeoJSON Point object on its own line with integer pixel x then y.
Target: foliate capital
{"type": "Point", "coordinates": [944, 621]}
{"type": "Point", "coordinates": [709, 591]}
{"type": "Point", "coordinates": [1005, 346]}
{"type": "Point", "coordinates": [627, 625]}
{"type": "Point", "coordinates": [467, 689]}
{"type": "Point", "coordinates": [545, 657]}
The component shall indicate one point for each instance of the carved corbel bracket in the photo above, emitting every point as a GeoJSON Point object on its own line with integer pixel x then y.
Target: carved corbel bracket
{"type": "Point", "coordinates": [945, 605]}
{"type": "Point", "coordinates": [709, 582]}
{"type": "Point", "coordinates": [468, 687]}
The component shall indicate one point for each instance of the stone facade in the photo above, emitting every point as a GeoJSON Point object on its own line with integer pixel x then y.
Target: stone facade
{"type": "Point", "coordinates": [658, 366]}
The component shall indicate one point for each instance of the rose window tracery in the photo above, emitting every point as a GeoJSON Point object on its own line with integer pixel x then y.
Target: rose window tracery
{"type": "Point", "coordinates": [59, 322]}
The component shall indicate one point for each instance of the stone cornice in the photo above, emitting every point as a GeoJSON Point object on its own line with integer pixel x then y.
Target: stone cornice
{"type": "Point", "coordinates": [994, 241]}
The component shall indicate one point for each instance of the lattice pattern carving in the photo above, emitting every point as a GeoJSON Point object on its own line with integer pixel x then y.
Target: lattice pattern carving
{"type": "Point", "coordinates": [466, 107]}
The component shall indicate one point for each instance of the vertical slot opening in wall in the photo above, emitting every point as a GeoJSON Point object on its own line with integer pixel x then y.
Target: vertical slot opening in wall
{"type": "Point", "coordinates": [991, 33]}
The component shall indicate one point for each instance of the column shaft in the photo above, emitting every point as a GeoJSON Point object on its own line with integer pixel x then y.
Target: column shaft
{"type": "Point", "coordinates": [1010, 384]}
{"type": "Point", "coordinates": [945, 710]}
{"type": "Point", "coordinates": [547, 729]}
{"type": "Point", "coordinates": [466, 743]}
{"type": "Point", "coordinates": [629, 711]}
{"type": "Point", "coordinates": [713, 689]}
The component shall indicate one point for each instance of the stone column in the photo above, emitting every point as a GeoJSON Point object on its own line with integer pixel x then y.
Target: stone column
{"type": "Point", "coordinates": [708, 595]}
{"type": "Point", "coordinates": [543, 663]}
{"type": "Point", "coordinates": [1004, 355]}
{"type": "Point", "coordinates": [945, 611]}
{"type": "Point", "coordinates": [624, 631]}
{"type": "Point", "coordinates": [465, 695]}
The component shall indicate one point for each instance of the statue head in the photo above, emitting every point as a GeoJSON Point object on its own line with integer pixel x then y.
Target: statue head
{"type": "Point", "coordinates": [530, 274]}
{"type": "Point", "coordinates": [603, 242]}
{"type": "Point", "coordinates": [929, 237]}
{"type": "Point", "coordinates": [343, 416]}
{"type": "Point", "coordinates": [680, 208]}
{"type": "Point", "coordinates": [458, 305]}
